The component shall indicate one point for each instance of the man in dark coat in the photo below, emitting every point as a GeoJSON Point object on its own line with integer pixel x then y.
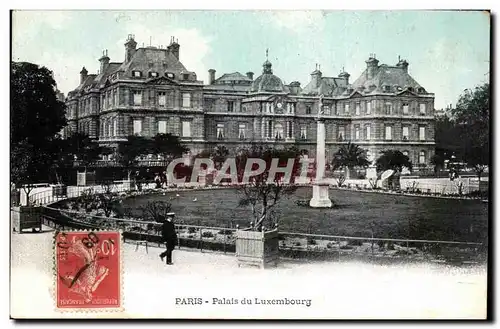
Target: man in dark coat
{"type": "Point", "coordinates": [169, 236]}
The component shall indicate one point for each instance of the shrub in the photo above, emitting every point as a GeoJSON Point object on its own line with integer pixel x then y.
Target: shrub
{"type": "Point", "coordinates": [192, 230]}
{"type": "Point", "coordinates": [297, 244]}
{"type": "Point", "coordinates": [355, 243]}
{"type": "Point", "coordinates": [311, 241]}
{"type": "Point", "coordinates": [226, 232]}
{"type": "Point", "coordinates": [390, 246]}
{"type": "Point", "coordinates": [207, 234]}
{"type": "Point", "coordinates": [329, 245]}
{"type": "Point", "coordinates": [381, 244]}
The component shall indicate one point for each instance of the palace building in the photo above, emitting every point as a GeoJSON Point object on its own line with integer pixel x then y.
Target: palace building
{"type": "Point", "coordinates": [152, 92]}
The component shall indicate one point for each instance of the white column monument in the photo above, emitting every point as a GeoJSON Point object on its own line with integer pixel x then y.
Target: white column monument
{"type": "Point", "coordinates": [320, 198]}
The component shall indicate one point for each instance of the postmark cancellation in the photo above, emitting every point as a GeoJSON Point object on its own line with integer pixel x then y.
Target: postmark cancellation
{"type": "Point", "coordinates": [88, 271]}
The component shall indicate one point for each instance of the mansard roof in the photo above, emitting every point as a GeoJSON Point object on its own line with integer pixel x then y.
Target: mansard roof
{"type": "Point", "coordinates": [393, 79]}
{"type": "Point", "coordinates": [328, 86]}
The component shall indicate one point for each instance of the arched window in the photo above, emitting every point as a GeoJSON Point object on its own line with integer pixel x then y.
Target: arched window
{"type": "Point", "coordinates": [421, 157]}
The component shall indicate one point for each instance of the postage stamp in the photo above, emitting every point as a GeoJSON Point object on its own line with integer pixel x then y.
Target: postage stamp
{"type": "Point", "coordinates": [88, 270]}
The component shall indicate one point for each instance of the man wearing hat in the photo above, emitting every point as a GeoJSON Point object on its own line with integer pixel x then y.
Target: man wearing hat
{"type": "Point", "coordinates": [169, 236]}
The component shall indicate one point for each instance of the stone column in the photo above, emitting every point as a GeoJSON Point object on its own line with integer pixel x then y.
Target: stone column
{"type": "Point", "coordinates": [320, 198]}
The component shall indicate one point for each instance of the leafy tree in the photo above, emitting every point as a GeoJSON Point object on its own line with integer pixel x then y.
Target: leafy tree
{"type": "Point", "coordinates": [36, 118]}
{"type": "Point", "coordinates": [472, 115]}
{"type": "Point", "coordinates": [168, 146]}
{"type": "Point", "coordinates": [83, 149]}
{"type": "Point", "coordinates": [259, 194]}
{"type": "Point", "coordinates": [393, 159]}
{"type": "Point", "coordinates": [219, 155]}
{"type": "Point", "coordinates": [129, 151]}
{"type": "Point", "coordinates": [437, 161]}
{"type": "Point", "coordinates": [350, 156]}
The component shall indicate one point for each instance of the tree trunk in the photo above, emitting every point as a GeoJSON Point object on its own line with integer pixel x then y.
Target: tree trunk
{"type": "Point", "coordinates": [347, 173]}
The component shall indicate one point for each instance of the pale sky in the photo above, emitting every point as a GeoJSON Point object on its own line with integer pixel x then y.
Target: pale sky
{"type": "Point", "coordinates": [448, 51]}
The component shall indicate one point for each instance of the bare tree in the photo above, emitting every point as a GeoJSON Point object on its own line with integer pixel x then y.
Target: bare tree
{"type": "Point", "coordinates": [156, 210]}
{"type": "Point", "coordinates": [262, 194]}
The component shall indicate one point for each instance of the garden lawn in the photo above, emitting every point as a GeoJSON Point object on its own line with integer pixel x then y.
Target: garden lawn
{"type": "Point", "coordinates": [356, 214]}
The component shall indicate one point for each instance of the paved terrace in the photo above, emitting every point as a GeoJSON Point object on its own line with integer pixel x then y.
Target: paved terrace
{"type": "Point", "coordinates": [337, 289]}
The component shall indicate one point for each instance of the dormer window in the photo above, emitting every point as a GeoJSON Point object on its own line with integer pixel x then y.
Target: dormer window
{"type": "Point", "coordinates": [185, 76]}
{"type": "Point", "coordinates": [410, 89]}
{"type": "Point", "coordinates": [387, 88]}
{"type": "Point", "coordinates": [399, 88]}
{"type": "Point", "coordinates": [421, 90]}
{"type": "Point", "coordinates": [169, 75]}
{"type": "Point", "coordinates": [136, 74]}
{"type": "Point", "coordinates": [153, 74]}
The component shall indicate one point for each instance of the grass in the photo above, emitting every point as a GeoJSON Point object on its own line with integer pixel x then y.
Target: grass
{"type": "Point", "coordinates": [356, 214]}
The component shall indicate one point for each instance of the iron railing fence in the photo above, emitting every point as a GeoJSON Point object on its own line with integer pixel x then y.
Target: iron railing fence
{"type": "Point", "coordinates": [292, 244]}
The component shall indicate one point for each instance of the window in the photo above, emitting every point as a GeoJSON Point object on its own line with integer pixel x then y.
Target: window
{"type": "Point", "coordinates": [278, 131]}
{"type": "Point", "coordinates": [186, 128]}
{"type": "Point", "coordinates": [421, 133]}
{"type": "Point", "coordinates": [115, 97]}
{"type": "Point", "coordinates": [421, 157]}
{"type": "Point", "coordinates": [153, 74]}
{"type": "Point", "coordinates": [241, 131]}
{"type": "Point", "coordinates": [138, 97]}
{"type": "Point", "coordinates": [137, 126]}
{"type": "Point", "coordinates": [406, 133]}
{"type": "Point", "coordinates": [115, 127]}
{"type": "Point", "coordinates": [169, 75]}
{"type": "Point", "coordinates": [346, 108]}
{"type": "Point", "coordinates": [422, 108]}
{"type": "Point", "coordinates": [186, 100]}
{"type": "Point", "coordinates": [369, 107]}
{"type": "Point", "coordinates": [110, 127]}
{"type": "Point", "coordinates": [230, 106]}
{"type": "Point", "coordinates": [406, 153]}
{"type": "Point", "coordinates": [136, 74]}
{"type": "Point", "coordinates": [162, 98]}
{"type": "Point", "coordinates": [303, 132]}
{"type": "Point", "coordinates": [356, 132]}
{"type": "Point", "coordinates": [368, 132]}
{"type": "Point", "coordinates": [388, 108]}
{"type": "Point", "coordinates": [387, 89]}
{"type": "Point", "coordinates": [358, 108]}
{"type": "Point", "coordinates": [289, 129]}
{"type": "Point", "coordinates": [406, 107]}
{"type": "Point", "coordinates": [388, 132]}
{"type": "Point", "coordinates": [220, 131]}
{"type": "Point", "coordinates": [269, 132]}
{"type": "Point", "coordinates": [185, 76]}
{"type": "Point", "coordinates": [308, 109]}
{"type": "Point", "coordinates": [162, 127]}
{"type": "Point", "coordinates": [326, 110]}
{"type": "Point", "coordinates": [290, 108]}
{"type": "Point", "coordinates": [341, 134]}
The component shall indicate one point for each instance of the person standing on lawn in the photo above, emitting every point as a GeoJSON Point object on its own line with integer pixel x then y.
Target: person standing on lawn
{"type": "Point", "coordinates": [169, 236]}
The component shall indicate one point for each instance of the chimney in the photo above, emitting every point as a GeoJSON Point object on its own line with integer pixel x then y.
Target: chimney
{"type": "Point", "coordinates": [130, 47]}
{"type": "Point", "coordinates": [104, 60]}
{"type": "Point", "coordinates": [371, 66]}
{"type": "Point", "coordinates": [316, 77]}
{"type": "Point", "coordinates": [295, 87]}
{"type": "Point", "coordinates": [250, 75]}
{"type": "Point", "coordinates": [345, 76]}
{"type": "Point", "coordinates": [211, 76]}
{"type": "Point", "coordinates": [403, 64]}
{"type": "Point", "coordinates": [174, 47]}
{"type": "Point", "coordinates": [83, 75]}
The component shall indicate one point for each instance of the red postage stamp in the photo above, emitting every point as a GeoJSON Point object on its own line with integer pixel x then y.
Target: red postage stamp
{"type": "Point", "coordinates": [88, 270]}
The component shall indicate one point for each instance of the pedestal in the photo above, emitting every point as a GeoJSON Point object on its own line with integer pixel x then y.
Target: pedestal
{"type": "Point", "coordinates": [320, 197]}
{"type": "Point", "coordinates": [371, 172]}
